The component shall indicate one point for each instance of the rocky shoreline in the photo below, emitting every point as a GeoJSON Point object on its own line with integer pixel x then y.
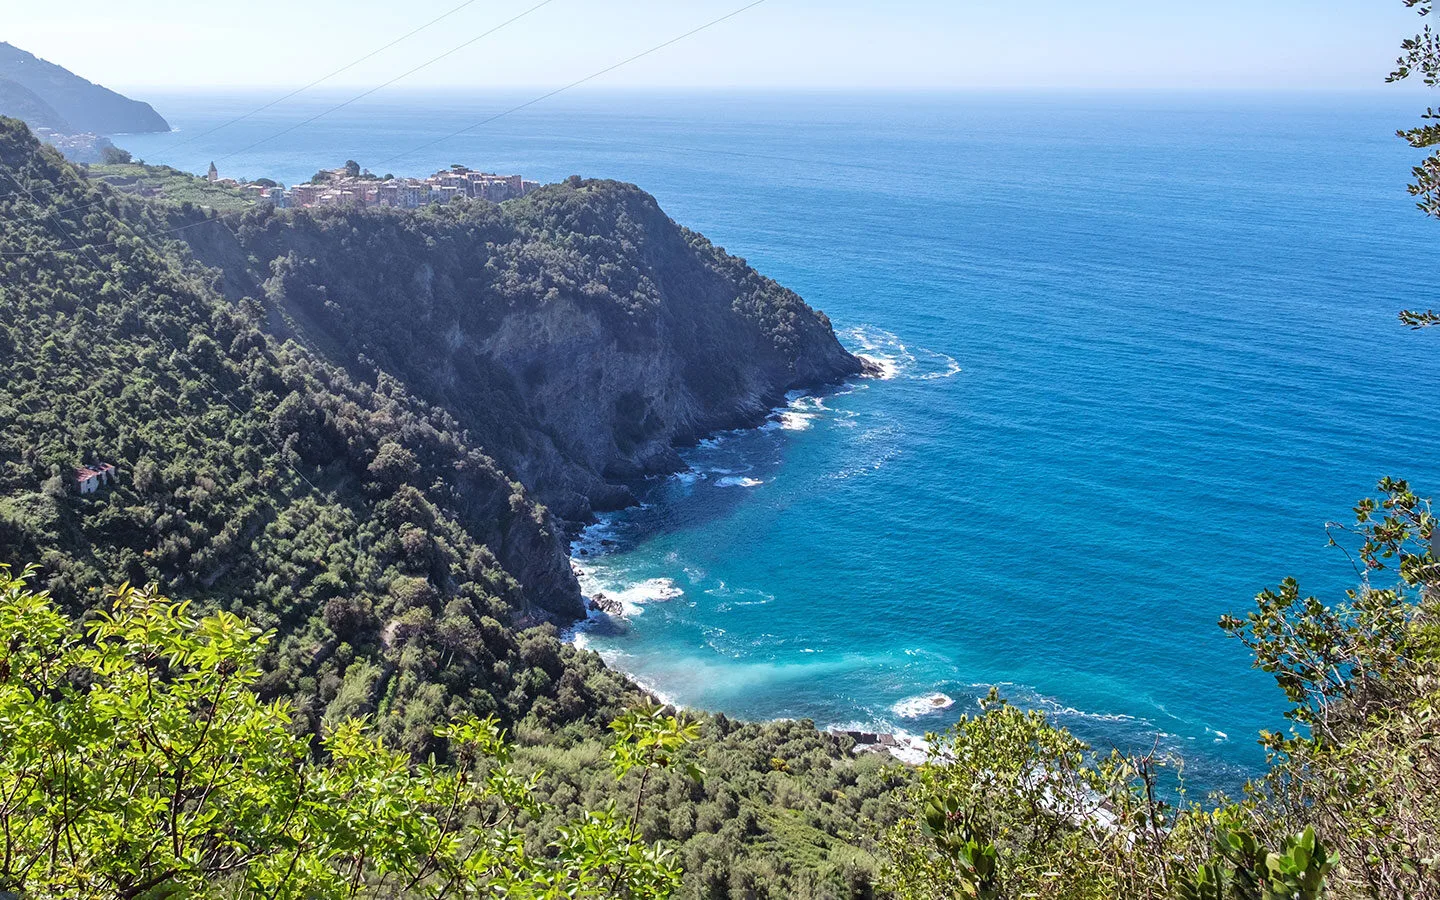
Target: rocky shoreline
{"type": "Point", "coordinates": [904, 747]}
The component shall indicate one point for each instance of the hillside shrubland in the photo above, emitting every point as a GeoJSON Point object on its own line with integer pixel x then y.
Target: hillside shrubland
{"type": "Point", "coordinates": [122, 738]}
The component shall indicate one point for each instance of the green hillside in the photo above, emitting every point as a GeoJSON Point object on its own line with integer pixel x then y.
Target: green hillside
{"type": "Point", "coordinates": [348, 447]}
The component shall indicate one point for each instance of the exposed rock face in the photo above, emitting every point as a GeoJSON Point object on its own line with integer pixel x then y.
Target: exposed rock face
{"type": "Point", "coordinates": [579, 334]}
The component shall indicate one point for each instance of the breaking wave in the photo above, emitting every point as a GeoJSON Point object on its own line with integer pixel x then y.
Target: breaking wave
{"type": "Point", "coordinates": [896, 359]}
{"type": "Point", "coordinates": [923, 705]}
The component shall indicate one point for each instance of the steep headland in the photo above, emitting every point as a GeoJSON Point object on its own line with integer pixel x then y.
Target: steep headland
{"type": "Point", "coordinates": [346, 427]}
{"type": "Point", "coordinates": [578, 334]}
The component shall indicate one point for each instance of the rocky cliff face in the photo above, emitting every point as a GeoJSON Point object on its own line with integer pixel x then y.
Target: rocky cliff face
{"type": "Point", "coordinates": [579, 335]}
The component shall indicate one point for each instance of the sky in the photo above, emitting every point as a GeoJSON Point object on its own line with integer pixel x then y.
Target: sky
{"type": "Point", "coordinates": [777, 44]}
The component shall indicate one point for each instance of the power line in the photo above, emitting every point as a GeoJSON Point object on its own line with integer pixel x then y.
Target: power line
{"type": "Point", "coordinates": [79, 248]}
{"type": "Point", "coordinates": [139, 234]}
{"type": "Point", "coordinates": [46, 214]}
{"type": "Point", "coordinates": [775, 157]}
{"type": "Point", "coordinates": [345, 68]}
{"type": "Point", "coordinates": [591, 77]}
{"type": "Point", "coordinates": [560, 90]}
{"type": "Point", "coordinates": [348, 66]}
{"type": "Point", "coordinates": [94, 368]}
{"type": "Point", "coordinates": [716, 151]}
{"type": "Point", "coordinates": [405, 74]}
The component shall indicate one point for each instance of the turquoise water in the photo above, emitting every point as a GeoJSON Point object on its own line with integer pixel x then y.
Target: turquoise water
{"type": "Point", "coordinates": [1137, 347]}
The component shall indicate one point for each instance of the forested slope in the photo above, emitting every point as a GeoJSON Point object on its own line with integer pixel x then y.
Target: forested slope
{"type": "Point", "coordinates": [20, 102]}
{"type": "Point", "coordinates": [392, 555]}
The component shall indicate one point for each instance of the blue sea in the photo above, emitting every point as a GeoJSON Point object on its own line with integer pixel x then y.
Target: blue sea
{"type": "Point", "coordinates": [1140, 349]}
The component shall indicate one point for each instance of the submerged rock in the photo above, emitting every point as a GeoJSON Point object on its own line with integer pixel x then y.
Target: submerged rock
{"type": "Point", "coordinates": [923, 705]}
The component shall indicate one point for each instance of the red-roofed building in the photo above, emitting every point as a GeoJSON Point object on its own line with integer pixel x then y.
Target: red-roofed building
{"type": "Point", "coordinates": [89, 478]}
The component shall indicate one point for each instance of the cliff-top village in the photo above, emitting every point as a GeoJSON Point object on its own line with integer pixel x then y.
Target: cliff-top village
{"type": "Point", "coordinates": [350, 186]}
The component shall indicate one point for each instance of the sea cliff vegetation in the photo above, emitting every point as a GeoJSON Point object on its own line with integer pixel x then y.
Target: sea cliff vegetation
{"type": "Point", "coordinates": [137, 759]}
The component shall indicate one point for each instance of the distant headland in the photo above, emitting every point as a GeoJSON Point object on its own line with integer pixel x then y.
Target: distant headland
{"type": "Point", "coordinates": [45, 95]}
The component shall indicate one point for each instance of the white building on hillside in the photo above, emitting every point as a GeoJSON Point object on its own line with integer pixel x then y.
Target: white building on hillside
{"type": "Point", "coordinates": [89, 478]}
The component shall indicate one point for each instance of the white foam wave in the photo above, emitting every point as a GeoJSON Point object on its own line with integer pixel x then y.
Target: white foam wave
{"type": "Point", "coordinates": [738, 481]}
{"type": "Point", "coordinates": [594, 539]}
{"type": "Point", "coordinates": [904, 746]}
{"type": "Point", "coordinates": [1094, 716]}
{"type": "Point", "coordinates": [941, 365]}
{"type": "Point", "coordinates": [922, 705]}
{"type": "Point", "coordinates": [889, 368]}
{"type": "Point", "coordinates": [652, 590]}
{"type": "Point", "coordinates": [1033, 699]}
{"type": "Point", "coordinates": [910, 749]}
{"type": "Point", "coordinates": [895, 359]}
{"type": "Point", "coordinates": [800, 412]}
{"type": "Point", "coordinates": [728, 598]}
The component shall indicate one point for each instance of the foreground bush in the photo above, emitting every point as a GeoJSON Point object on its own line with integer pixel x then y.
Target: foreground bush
{"type": "Point", "coordinates": [136, 761]}
{"type": "Point", "coordinates": [1010, 806]}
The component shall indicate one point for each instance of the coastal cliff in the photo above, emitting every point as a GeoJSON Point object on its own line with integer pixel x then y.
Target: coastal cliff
{"type": "Point", "coordinates": [579, 335]}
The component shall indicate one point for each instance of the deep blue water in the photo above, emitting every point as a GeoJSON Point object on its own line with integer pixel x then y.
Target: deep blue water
{"type": "Point", "coordinates": [1142, 351]}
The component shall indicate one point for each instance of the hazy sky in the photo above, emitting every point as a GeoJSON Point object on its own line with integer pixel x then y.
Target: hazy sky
{"type": "Point", "coordinates": [780, 43]}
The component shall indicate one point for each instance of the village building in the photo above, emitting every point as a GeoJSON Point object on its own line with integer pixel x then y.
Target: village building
{"type": "Point", "coordinates": [337, 188]}
{"type": "Point", "coordinates": [89, 478]}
